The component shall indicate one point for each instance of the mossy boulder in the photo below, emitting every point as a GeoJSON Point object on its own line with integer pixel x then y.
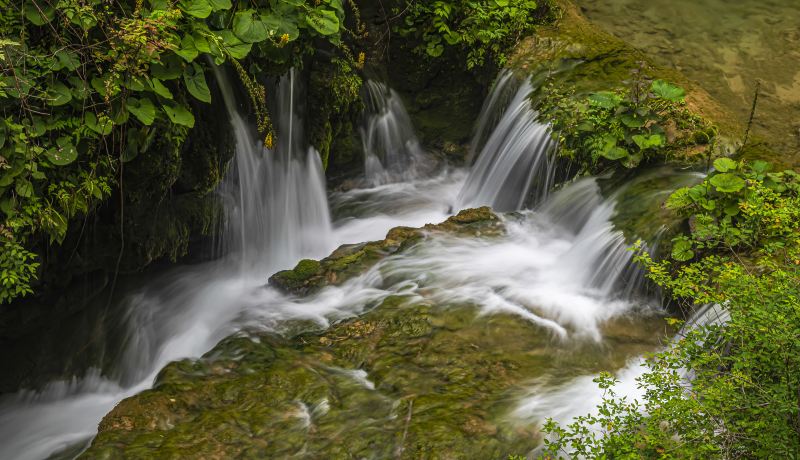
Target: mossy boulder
{"type": "Point", "coordinates": [410, 378]}
{"type": "Point", "coordinates": [353, 259]}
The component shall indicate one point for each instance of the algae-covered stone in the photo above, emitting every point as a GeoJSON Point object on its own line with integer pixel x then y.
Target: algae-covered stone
{"type": "Point", "coordinates": [353, 259]}
{"type": "Point", "coordinates": [411, 378]}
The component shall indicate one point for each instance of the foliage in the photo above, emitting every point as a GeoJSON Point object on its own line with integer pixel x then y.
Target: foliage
{"type": "Point", "coordinates": [739, 208]}
{"type": "Point", "coordinates": [740, 397]}
{"type": "Point", "coordinates": [625, 127]}
{"type": "Point", "coordinates": [87, 86]}
{"type": "Point", "coordinates": [483, 29]}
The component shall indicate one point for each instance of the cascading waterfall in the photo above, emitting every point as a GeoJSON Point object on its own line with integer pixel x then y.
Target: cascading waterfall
{"type": "Point", "coordinates": [561, 265]}
{"type": "Point", "coordinates": [277, 213]}
{"type": "Point", "coordinates": [505, 86]}
{"type": "Point", "coordinates": [513, 168]}
{"type": "Point", "coordinates": [392, 152]}
{"type": "Point", "coordinates": [280, 209]}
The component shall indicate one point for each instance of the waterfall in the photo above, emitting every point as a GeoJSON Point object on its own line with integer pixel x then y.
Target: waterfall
{"type": "Point", "coordinates": [513, 168]}
{"type": "Point", "coordinates": [601, 258]}
{"type": "Point", "coordinates": [392, 152]}
{"type": "Point", "coordinates": [503, 90]}
{"type": "Point", "coordinates": [277, 205]}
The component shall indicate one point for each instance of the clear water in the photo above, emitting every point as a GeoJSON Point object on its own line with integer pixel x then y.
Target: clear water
{"type": "Point", "coordinates": [726, 46]}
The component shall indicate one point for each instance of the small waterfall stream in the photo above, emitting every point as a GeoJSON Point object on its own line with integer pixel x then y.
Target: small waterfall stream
{"type": "Point", "coordinates": [513, 168]}
{"type": "Point", "coordinates": [562, 265]}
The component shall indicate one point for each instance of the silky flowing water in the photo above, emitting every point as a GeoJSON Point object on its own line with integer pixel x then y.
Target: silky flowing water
{"type": "Point", "coordinates": [726, 46]}
{"type": "Point", "coordinates": [562, 267]}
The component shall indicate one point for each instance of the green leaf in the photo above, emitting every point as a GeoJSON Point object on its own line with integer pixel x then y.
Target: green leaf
{"type": "Point", "coordinates": [632, 120]}
{"type": "Point", "coordinates": [159, 88]}
{"type": "Point", "coordinates": [667, 91]}
{"type": "Point", "coordinates": [727, 182]}
{"type": "Point", "coordinates": [646, 141]}
{"type": "Point", "coordinates": [201, 42]}
{"type": "Point", "coordinates": [197, 8]}
{"type": "Point", "coordinates": [760, 167]}
{"type": "Point", "coordinates": [65, 154]}
{"type": "Point", "coordinates": [195, 81]}
{"type": "Point", "coordinates": [65, 60]}
{"type": "Point", "coordinates": [24, 188]}
{"type": "Point", "coordinates": [102, 125]}
{"type": "Point", "coordinates": [179, 115]}
{"type": "Point", "coordinates": [682, 250]}
{"type": "Point", "coordinates": [605, 99]}
{"type": "Point", "coordinates": [323, 21]}
{"type": "Point", "coordinates": [279, 25]}
{"type": "Point", "coordinates": [218, 5]}
{"type": "Point", "coordinates": [679, 199]}
{"type": "Point", "coordinates": [615, 153]}
{"type": "Point", "coordinates": [249, 28]}
{"type": "Point", "coordinates": [725, 165]}
{"type": "Point", "coordinates": [187, 49]}
{"type": "Point", "coordinates": [39, 13]}
{"type": "Point", "coordinates": [434, 49]}
{"type": "Point", "coordinates": [233, 45]}
{"type": "Point", "coordinates": [58, 94]}
{"type": "Point", "coordinates": [143, 109]}
{"type": "Point", "coordinates": [170, 68]}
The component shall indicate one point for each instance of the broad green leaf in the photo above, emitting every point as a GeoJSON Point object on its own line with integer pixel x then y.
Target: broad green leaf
{"type": "Point", "coordinates": [187, 49]}
{"type": "Point", "coordinates": [102, 125]}
{"type": "Point", "coordinates": [218, 5]}
{"type": "Point", "coordinates": [58, 94]}
{"type": "Point", "coordinates": [323, 21]}
{"type": "Point", "coordinates": [667, 91]}
{"type": "Point", "coordinates": [338, 6]}
{"type": "Point", "coordinates": [197, 8]}
{"type": "Point", "coordinates": [727, 182]}
{"type": "Point", "coordinates": [632, 120]}
{"type": "Point", "coordinates": [725, 165]}
{"type": "Point", "coordinates": [159, 88]}
{"type": "Point", "coordinates": [760, 167]}
{"type": "Point", "coordinates": [179, 115]}
{"type": "Point", "coordinates": [434, 49]}
{"type": "Point", "coordinates": [170, 68]}
{"type": "Point", "coordinates": [65, 154]}
{"type": "Point", "coordinates": [646, 141]}
{"type": "Point", "coordinates": [135, 84]}
{"type": "Point", "coordinates": [163, 5]}
{"type": "Point", "coordinates": [201, 42]}
{"type": "Point", "coordinates": [615, 153]}
{"type": "Point", "coordinates": [233, 45]}
{"type": "Point", "coordinates": [66, 60]}
{"type": "Point", "coordinates": [679, 199]}
{"type": "Point", "coordinates": [24, 188]}
{"type": "Point", "coordinates": [280, 25]}
{"type": "Point", "coordinates": [682, 250]}
{"type": "Point", "coordinates": [605, 99]}
{"type": "Point", "coordinates": [195, 81]}
{"type": "Point", "coordinates": [143, 109]}
{"type": "Point", "coordinates": [39, 13]}
{"type": "Point", "coordinates": [249, 28]}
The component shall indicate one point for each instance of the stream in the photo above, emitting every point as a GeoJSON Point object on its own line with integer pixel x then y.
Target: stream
{"type": "Point", "coordinates": [561, 266]}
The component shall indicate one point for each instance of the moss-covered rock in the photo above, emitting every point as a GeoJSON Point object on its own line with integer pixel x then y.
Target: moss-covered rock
{"type": "Point", "coordinates": [353, 259]}
{"type": "Point", "coordinates": [410, 378]}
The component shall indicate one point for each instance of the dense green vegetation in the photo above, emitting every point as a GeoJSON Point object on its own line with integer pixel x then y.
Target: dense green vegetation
{"type": "Point", "coordinates": [725, 389]}
{"type": "Point", "coordinates": [646, 122]}
{"type": "Point", "coordinates": [89, 86]}
{"type": "Point", "coordinates": [484, 30]}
